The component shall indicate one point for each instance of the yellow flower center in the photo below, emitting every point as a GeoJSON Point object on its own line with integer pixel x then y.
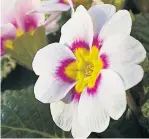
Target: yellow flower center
{"type": "Point", "coordinates": [86, 69]}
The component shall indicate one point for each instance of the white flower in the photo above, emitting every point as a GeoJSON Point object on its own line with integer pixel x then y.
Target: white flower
{"type": "Point", "coordinates": [85, 75]}
{"type": "Point", "coordinates": [54, 8]}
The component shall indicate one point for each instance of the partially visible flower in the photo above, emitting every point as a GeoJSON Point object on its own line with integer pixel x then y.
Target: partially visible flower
{"type": "Point", "coordinates": [15, 20]}
{"type": "Point", "coordinates": [85, 76]}
{"type": "Point", "coordinates": [54, 8]}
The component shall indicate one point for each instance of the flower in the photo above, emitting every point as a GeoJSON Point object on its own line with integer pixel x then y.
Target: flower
{"type": "Point", "coordinates": [54, 8]}
{"type": "Point", "coordinates": [85, 75]}
{"type": "Point", "coordinates": [15, 20]}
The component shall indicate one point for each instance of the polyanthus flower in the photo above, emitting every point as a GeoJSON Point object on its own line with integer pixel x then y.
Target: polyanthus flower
{"type": "Point", "coordinates": [15, 20]}
{"type": "Point", "coordinates": [54, 8]}
{"type": "Point", "coordinates": [85, 75]}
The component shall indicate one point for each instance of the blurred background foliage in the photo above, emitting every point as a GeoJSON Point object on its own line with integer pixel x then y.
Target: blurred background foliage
{"type": "Point", "coordinates": [22, 116]}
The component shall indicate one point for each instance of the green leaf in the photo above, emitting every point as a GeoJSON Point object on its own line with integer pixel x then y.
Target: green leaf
{"type": "Point", "coordinates": [140, 30]}
{"type": "Point", "coordinates": [7, 65]}
{"type": "Point", "coordinates": [142, 5]}
{"type": "Point", "coordinates": [22, 116]}
{"type": "Point", "coordinates": [26, 46]}
{"type": "Point", "coordinates": [145, 109]}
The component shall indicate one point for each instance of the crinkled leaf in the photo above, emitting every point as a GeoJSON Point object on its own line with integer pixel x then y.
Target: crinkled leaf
{"type": "Point", "coordinates": [145, 109]}
{"type": "Point", "coordinates": [140, 30]}
{"type": "Point", "coordinates": [26, 46]}
{"type": "Point", "coordinates": [22, 116]}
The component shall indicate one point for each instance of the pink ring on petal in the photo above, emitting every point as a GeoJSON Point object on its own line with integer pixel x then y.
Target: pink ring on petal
{"type": "Point", "coordinates": [97, 42]}
{"type": "Point", "coordinates": [105, 61]}
{"type": "Point", "coordinates": [92, 91]}
{"type": "Point", "coordinates": [75, 95]}
{"type": "Point", "coordinates": [60, 73]}
{"type": "Point", "coordinates": [79, 44]}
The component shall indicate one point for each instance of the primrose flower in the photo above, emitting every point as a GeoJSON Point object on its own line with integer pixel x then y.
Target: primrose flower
{"type": "Point", "coordinates": [85, 75]}
{"type": "Point", "coordinates": [54, 8]}
{"type": "Point", "coordinates": [15, 20]}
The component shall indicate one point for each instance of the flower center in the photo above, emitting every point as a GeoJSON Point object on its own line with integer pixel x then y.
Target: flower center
{"type": "Point", "coordinates": [86, 69]}
{"type": "Point", "coordinates": [89, 69]}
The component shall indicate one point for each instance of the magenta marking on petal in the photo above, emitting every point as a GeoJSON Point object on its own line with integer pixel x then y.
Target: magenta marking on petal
{"type": "Point", "coordinates": [64, 2]}
{"type": "Point", "coordinates": [79, 44]}
{"type": "Point", "coordinates": [93, 90]}
{"type": "Point", "coordinates": [60, 73]}
{"type": "Point", "coordinates": [30, 22]}
{"type": "Point", "coordinates": [75, 95]}
{"type": "Point", "coordinates": [97, 42]}
{"type": "Point", "coordinates": [105, 61]}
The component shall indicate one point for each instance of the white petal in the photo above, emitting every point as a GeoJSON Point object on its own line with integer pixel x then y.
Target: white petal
{"type": "Point", "coordinates": [112, 91]}
{"type": "Point", "coordinates": [47, 2]}
{"type": "Point", "coordinates": [120, 23]}
{"type": "Point", "coordinates": [53, 26]}
{"type": "Point", "coordinates": [92, 114]}
{"type": "Point", "coordinates": [100, 14]}
{"type": "Point", "coordinates": [109, 100]}
{"type": "Point", "coordinates": [79, 27]}
{"type": "Point", "coordinates": [56, 7]}
{"type": "Point", "coordinates": [53, 16]}
{"type": "Point", "coordinates": [48, 58]}
{"type": "Point", "coordinates": [123, 49]}
{"type": "Point", "coordinates": [77, 130]}
{"type": "Point", "coordinates": [130, 73]}
{"type": "Point", "coordinates": [8, 31]}
{"type": "Point", "coordinates": [62, 114]}
{"type": "Point", "coordinates": [49, 89]}
{"type": "Point", "coordinates": [7, 14]}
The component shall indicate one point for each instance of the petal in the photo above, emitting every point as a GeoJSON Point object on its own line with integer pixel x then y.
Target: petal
{"type": "Point", "coordinates": [109, 100]}
{"type": "Point", "coordinates": [7, 16]}
{"type": "Point", "coordinates": [53, 17]}
{"type": "Point", "coordinates": [120, 23]}
{"type": "Point", "coordinates": [92, 114]}
{"type": "Point", "coordinates": [113, 92]}
{"type": "Point", "coordinates": [130, 73]}
{"type": "Point", "coordinates": [8, 31]}
{"type": "Point", "coordinates": [123, 49]}
{"type": "Point", "coordinates": [48, 58]}
{"type": "Point", "coordinates": [78, 28]}
{"type": "Point", "coordinates": [28, 21]}
{"type": "Point", "coordinates": [53, 26]}
{"type": "Point", "coordinates": [47, 2]}
{"type": "Point", "coordinates": [62, 114]}
{"type": "Point", "coordinates": [55, 7]}
{"type": "Point", "coordinates": [49, 89]}
{"type": "Point", "coordinates": [77, 130]}
{"type": "Point", "coordinates": [100, 14]}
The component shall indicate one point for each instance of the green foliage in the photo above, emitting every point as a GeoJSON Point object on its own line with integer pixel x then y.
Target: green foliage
{"type": "Point", "coordinates": [145, 109]}
{"type": "Point", "coordinates": [140, 30]}
{"type": "Point", "coordinates": [26, 46]}
{"type": "Point", "coordinates": [7, 65]}
{"type": "Point", "coordinates": [23, 116]}
{"type": "Point", "coordinates": [142, 5]}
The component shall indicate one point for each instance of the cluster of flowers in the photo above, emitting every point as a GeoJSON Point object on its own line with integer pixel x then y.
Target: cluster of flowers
{"type": "Point", "coordinates": [85, 76]}
{"type": "Point", "coordinates": [20, 16]}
